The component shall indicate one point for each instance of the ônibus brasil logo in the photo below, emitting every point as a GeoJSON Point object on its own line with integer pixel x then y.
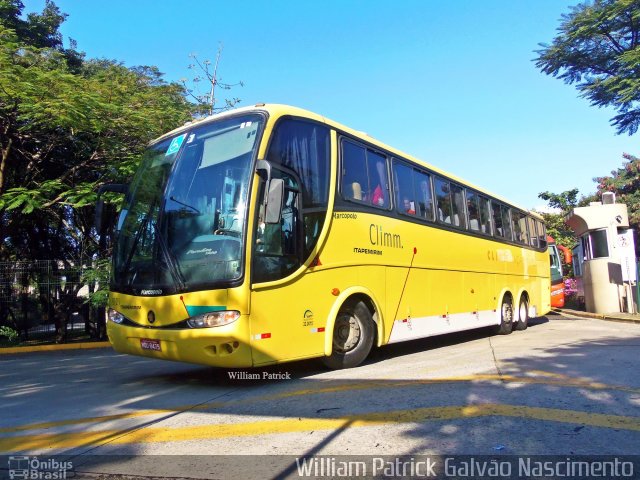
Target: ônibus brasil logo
{"type": "Point", "coordinates": [24, 467]}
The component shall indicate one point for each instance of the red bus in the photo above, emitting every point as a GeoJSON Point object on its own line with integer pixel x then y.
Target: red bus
{"type": "Point", "coordinates": [557, 280]}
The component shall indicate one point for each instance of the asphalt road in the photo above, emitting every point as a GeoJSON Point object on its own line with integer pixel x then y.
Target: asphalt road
{"type": "Point", "coordinates": [565, 386]}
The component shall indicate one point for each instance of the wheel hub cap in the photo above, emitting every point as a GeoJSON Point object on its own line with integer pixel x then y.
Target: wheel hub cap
{"type": "Point", "coordinates": [347, 333]}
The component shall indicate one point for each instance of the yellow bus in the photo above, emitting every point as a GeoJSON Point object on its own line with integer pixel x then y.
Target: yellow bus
{"type": "Point", "coordinates": [269, 234]}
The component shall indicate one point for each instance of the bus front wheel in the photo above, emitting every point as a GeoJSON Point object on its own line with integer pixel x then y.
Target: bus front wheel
{"type": "Point", "coordinates": [353, 333]}
{"type": "Point", "coordinates": [506, 316]}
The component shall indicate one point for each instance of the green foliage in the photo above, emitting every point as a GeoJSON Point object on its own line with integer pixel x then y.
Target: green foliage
{"type": "Point", "coordinates": [625, 183]}
{"type": "Point", "coordinates": [67, 125]}
{"type": "Point", "coordinates": [98, 275]}
{"type": "Point", "coordinates": [564, 201]}
{"type": "Point", "coordinates": [555, 223]}
{"type": "Point", "coordinates": [559, 230]}
{"type": "Point", "coordinates": [9, 333]}
{"type": "Point", "coordinates": [597, 48]}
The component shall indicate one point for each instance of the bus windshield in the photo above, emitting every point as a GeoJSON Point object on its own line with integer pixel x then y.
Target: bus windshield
{"type": "Point", "coordinates": [183, 224]}
{"type": "Point", "coordinates": [556, 267]}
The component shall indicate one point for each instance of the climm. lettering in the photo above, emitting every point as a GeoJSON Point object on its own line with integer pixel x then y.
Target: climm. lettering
{"type": "Point", "coordinates": [377, 236]}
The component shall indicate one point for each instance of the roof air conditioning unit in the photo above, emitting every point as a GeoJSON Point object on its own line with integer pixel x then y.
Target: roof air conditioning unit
{"type": "Point", "coordinates": [608, 198]}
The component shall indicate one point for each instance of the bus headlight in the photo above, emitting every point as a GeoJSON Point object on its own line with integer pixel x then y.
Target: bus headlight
{"type": "Point", "coordinates": [115, 317]}
{"type": "Point", "coordinates": [213, 319]}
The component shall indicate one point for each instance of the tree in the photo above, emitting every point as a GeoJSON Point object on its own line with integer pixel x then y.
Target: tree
{"type": "Point", "coordinates": [67, 126]}
{"type": "Point", "coordinates": [597, 48]}
{"type": "Point", "coordinates": [208, 74]}
{"type": "Point", "coordinates": [625, 183]}
{"type": "Point", "coordinates": [555, 223]}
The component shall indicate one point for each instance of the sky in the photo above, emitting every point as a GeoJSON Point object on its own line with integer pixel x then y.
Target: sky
{"type": "Point", "coordinates": [452, 82]}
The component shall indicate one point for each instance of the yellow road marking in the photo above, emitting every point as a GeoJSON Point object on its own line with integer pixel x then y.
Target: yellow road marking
{"type": "Point", "coordinates": [560, 380]}
{"type": "Point", "coordinates": [106, 418]}
{"type": "Point", "coordinates": [217, 431]}
{"type": "Point", "coordinates": [542, 378]}
{"type": "Point", "coordinates": [49, 348]}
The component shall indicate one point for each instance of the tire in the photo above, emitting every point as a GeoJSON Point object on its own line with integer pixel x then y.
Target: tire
{"type": "Point", "coordinates": [506, 316]}
{"type": "Point", "coordinates": [353, 334]}
{"type": "Point", "coordinates": [523, 314]}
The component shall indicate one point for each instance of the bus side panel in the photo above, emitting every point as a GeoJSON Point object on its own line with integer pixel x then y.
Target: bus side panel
{"type": "Point", "coordinates": [480, 288]}
{"type": "Point", "coordinates": [416, 301]}
{"type": "Point", "coordinates": [288, 322]}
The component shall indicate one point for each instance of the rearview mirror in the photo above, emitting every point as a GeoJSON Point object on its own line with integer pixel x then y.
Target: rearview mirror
{"type": "Point", "coordinates": [275, 195]}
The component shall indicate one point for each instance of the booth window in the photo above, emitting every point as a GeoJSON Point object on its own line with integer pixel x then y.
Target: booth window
{"type": "Point", "coordinates": [598, 244]}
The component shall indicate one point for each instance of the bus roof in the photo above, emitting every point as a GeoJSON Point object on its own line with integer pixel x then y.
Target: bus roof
{"type": "Point", "coordinates": [278, 110]}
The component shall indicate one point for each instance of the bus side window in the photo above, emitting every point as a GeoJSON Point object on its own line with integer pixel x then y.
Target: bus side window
{"type": "Point", "coordinates": [354, 172]}
{"type": "Point", "coordinates": [519, 227]}
{"type": "Point", "coordinates": [422, 187]}
{"type": "Point", "coordinates": [405, 198]}
{"type": "Point", "coordinates": [474, 211]}
{"type": "Point", "coordinates": [533, 236]}
{"type": "Point", "coordinates": [485, 215]}
{"type": "Point", "coordinates": [496, 212]}
{"type": "Point", "coordinates": [443, 200]}
{"type": "Point", "coordinates": [542, 235]}
{"type": "Point", "coordinates": [378, 181]}
{"type": "Point", "coordinates": [459, 217]}
{"type": "Point", "coordinates": [506, 223]}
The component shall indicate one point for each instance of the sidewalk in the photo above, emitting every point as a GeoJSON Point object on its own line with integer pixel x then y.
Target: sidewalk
{"type": "Point", "coordinates": [612, 317]}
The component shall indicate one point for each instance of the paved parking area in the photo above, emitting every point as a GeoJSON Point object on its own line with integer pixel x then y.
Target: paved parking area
{"type": "Point", "coordinates": [566, 386]}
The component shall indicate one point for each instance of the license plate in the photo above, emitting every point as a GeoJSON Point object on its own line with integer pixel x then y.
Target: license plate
{"type": "Point", "coordinates": [150, 344]}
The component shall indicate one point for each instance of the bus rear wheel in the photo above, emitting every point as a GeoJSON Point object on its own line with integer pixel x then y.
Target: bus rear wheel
{"type": "Point", "coordinates": [506, 316]}
{"type": "Point", "coordinates": [523, 314]}
{"type": "Point", "coordinates": [353, 334]}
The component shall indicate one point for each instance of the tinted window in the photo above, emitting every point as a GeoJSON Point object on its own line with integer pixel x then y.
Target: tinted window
{"type": "Point", "coordinates": [533, 236]}
{"type": "Point", "coordinates": [378, 181]}
{"type": "Point", "coordinates": [443, 200]}
{"type": "Point", "coordinates": [506, 222]}
{"type": "Point", "coordinates": [474, 211]}
{"type": "Point", "coordinates": [485, 215]}
{"type": "Point", "coordinates": [405, 196]}
{"type": "Point", "coordinates": [364, 175]}
{"type": "Point", "coordinates": [277, 247]}
{"type": "Point", "coordinates": [497, 219]}
{"type": "Point", "coordinates": [542, 235]}
{"type": "Point", "coordinates": [422, 187]}
{"type": "Point", "coordinates": [304, 148]}
{"type": "Point", "coordinates": [519, 222]}
{"type": "Point", "coordinates": [355, 180]}
{"type": "Point", "coordinates": [459, 217]}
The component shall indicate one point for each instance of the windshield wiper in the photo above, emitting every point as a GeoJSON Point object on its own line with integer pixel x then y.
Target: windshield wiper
{"type": "Point", "coordinates": [191, 207]}
{"type": "Point", "coordinates": [174, 268]}
{"type": "Point", "coordinates": [136, 239]}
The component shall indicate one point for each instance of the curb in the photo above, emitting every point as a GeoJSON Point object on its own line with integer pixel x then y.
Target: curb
{"type": "Point", "coordinates": [597, 316]}
{"type": "Point", "coordinates": [51, 348]}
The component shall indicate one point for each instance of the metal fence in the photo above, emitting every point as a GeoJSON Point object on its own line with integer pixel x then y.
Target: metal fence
{"type": "Point", "coordinates": [45, 300]}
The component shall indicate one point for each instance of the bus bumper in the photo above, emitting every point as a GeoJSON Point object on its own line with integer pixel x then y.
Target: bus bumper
{"type": "Point", "coordinates": [226, 346]}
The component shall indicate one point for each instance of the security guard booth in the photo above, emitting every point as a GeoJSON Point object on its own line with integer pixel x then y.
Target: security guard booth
{"type": "Point", "coordinates": [608, 251]}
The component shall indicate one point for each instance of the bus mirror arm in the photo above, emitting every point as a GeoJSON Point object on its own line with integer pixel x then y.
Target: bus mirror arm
{"type": "Point", "coordinates": [274, 193]}
{"type": "Point", "coordinates": [110, 187]}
